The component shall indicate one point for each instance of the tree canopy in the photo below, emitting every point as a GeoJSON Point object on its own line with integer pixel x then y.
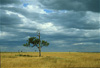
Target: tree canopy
{"type": "Point", "coordinates": [35, 41]}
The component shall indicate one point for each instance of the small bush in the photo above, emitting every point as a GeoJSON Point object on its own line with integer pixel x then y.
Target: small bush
{"type": "Point", "coordinates": [24, 55]}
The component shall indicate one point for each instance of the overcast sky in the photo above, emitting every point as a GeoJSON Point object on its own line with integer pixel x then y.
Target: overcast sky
{"type": "Point", "coordinates": [68, 25]}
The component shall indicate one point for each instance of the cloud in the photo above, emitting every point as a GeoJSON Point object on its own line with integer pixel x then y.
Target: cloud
{"type": "Point", "coordinates": [5, 34]}
{"type": "Point", "coordinates": [6, 2]}
{"type": "Point", "coordinates": [62, 27]}
{"type": "Point", "coordinates": [34, 9]}
{"type": "Point", "coordinates": [79, 20]}
{"type": "Point", "coordinates": [76, 5]}
{"type": "Point", "coordinates": [10, 19]}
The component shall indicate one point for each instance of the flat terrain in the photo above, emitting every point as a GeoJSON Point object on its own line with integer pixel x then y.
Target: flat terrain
{"type": "Point", "coordinates": [50, 60]}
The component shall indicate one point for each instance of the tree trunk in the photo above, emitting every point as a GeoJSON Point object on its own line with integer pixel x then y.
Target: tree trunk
{"type": "Point", "coordinates": [39, 46]}
{"type": "Point", "coordinates": [39, 52]}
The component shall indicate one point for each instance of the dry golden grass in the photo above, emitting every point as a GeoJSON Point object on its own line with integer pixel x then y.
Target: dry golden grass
{"type": "Point", "coordinates": [50, 60]}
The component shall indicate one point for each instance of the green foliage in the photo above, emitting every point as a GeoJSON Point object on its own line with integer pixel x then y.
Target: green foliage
{"type": "Point", "coordinates": [31, 39]}
{"type": "Point", "coordinates": [45, 43]}
{"type": "Point", "coordinates": [27, 45]}
{"type": "Point", "coordinates": [35, 41]}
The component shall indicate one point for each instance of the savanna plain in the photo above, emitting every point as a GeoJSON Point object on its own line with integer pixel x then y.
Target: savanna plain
{"type": "Point", "coordinates": [49, 60]}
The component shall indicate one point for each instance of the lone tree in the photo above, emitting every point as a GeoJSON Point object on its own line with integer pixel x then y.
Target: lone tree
{"type": "Point", "coordinates": [36, 42]}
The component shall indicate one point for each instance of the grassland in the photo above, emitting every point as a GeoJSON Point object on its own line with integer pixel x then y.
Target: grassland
{"type": "Point", "coordinates": [50, 60]}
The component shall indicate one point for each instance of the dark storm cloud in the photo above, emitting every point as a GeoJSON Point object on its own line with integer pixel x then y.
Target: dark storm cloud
{"type": "Point", "coordinates": [30, 15]}
{"type": "Point", "coordinates": [73, 38]}
{"type": "Point", "coordinates": [78, 28]}
{"type": "Point", "coordinates": [6, 2]}
{"type": "Point", "coordinates": [77, 5]}
{"type": "Point", "coordinates": [79, 20]}
{"type": "Point", "coordinates": [69, 19]}
{"type": "Point", "coordinates": [9, 19]}
{"type": "Point", "coordinates": [10, 24]}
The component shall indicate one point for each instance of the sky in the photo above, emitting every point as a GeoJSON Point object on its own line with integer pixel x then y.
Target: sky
{"type": "Point", "coordinates": [68, 25]}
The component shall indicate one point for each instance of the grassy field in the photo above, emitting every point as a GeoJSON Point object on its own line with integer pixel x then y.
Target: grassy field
{"type": "Point", "coordinates": [50, 60]}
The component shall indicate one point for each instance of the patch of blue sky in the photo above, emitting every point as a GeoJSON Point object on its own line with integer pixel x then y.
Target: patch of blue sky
{"type": "Point", "coordinates": [48, 11]}
{"type": "Point", "coordinates": [25, 4]}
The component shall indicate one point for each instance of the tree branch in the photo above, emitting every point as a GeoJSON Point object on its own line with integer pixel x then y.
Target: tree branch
{"type": "Point", "coordinates": [37, 46]}
{"type": "Point", "coordinates": [33, 45]}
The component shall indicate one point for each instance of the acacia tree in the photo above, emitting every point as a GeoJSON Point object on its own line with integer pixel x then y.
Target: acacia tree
{"type": "Point", "coordinates": [36, 42]}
